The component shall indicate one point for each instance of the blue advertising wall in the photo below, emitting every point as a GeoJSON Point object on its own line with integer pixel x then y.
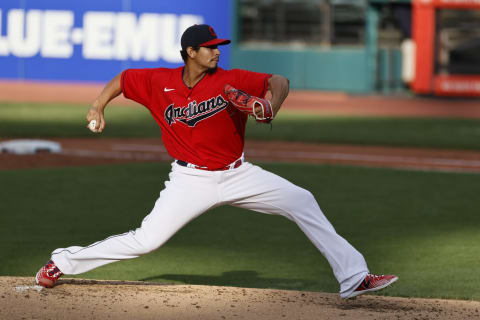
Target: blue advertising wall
{"type": "Point", "coordinates": [93, 40]}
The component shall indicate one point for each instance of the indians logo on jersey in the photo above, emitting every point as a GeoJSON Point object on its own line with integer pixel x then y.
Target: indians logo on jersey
{"type": "Point", "coordinates": [193, 113]}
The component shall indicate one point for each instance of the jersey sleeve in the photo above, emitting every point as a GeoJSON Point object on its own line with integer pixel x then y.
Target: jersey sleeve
{"type": "Point", "coordinates": [136, 84]}
{"type": "Point", "coordinates": [254, 83]}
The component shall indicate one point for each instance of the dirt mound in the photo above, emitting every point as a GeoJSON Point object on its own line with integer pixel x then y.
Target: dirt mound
{"type": "Point", "coordinates": [89, 299]}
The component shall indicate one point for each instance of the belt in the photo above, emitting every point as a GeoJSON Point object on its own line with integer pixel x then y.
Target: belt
{"type": "Point", "coordinates": [233, 165]}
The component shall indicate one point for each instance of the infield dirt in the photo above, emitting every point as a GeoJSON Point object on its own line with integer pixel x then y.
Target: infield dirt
{"type": "Point", "coordinates": [81, 152]}
{"type": "Point", "coordinates": [88, 299]}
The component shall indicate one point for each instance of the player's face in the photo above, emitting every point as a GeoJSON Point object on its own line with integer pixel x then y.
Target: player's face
{"type": "Point", "coordinates": [208, 57]}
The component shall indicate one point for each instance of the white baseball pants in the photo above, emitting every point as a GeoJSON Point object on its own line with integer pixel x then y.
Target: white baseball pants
{"type": "Point", "coordinates": [190, 192]}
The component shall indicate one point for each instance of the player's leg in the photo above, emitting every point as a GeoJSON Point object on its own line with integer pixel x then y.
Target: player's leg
{"type": "Point", "coordinates": [257, 189]}
{"type": "Point", "coordinates": [185, 197]}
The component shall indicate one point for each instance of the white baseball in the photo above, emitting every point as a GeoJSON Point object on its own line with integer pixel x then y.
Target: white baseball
{"type": "Point", "coordinates": [92, 125]}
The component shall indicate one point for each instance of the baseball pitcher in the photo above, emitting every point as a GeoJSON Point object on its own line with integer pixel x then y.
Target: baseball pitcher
{"type": "Point", "coordinates": [202, 111]}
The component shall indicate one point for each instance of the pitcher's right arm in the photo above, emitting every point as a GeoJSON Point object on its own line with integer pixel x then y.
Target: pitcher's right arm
{"type": "Point", "coordinates": [96, 112]}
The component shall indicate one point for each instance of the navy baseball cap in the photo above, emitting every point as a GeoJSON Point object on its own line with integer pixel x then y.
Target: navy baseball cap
{"type": "Point", "coordinates": [201, 35]}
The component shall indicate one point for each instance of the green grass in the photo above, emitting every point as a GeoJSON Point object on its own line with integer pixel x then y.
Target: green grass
{"type": "Point", "coordinates": [58, 120]}
{"type": "Point", "coordinates": [40, 120]}
{"type": "Point", "coordinates": [422, 226]}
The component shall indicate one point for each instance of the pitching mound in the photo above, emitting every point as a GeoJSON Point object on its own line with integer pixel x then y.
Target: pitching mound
{"type": "Point", "coordinates": [87, 299]}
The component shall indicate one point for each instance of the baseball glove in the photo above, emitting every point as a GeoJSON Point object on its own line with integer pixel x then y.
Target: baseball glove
{"type": "Point", "coordinates": [257, 107]}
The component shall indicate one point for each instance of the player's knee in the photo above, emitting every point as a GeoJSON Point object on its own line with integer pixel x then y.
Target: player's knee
{"type": "Point", "coordinates": [147, 244]}
{"type": "Point", "coordinates": [303, 196]}
{"type": "Point", "coordinates": [298, 196]}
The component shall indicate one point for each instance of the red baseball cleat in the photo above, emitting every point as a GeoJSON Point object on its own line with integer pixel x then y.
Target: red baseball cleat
{"type": "Point", "coordinates": [373, 283]}
{"type": "Point", "coordinates": [48, 275]}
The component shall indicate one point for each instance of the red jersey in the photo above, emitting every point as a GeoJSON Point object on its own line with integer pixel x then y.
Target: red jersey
{"type": "Point", "coordinates": [198, 124]}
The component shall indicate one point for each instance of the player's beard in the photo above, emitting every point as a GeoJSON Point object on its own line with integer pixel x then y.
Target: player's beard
{"type": "Point", "coordinates": [212, 70]}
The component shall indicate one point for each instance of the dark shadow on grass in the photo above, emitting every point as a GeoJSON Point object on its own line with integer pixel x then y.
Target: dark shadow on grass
{"type": "Point", "coordinates": [244, 278]}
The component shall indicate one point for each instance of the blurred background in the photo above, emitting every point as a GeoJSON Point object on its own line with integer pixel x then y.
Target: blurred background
{"type": "Point", "coordinates": [354, 46]}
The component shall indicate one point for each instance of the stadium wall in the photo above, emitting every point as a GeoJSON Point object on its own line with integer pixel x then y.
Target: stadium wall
{"type": "Point", "coordinates": [91, 41]}
{"type": "Point", "coordinates": [333, 69]}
